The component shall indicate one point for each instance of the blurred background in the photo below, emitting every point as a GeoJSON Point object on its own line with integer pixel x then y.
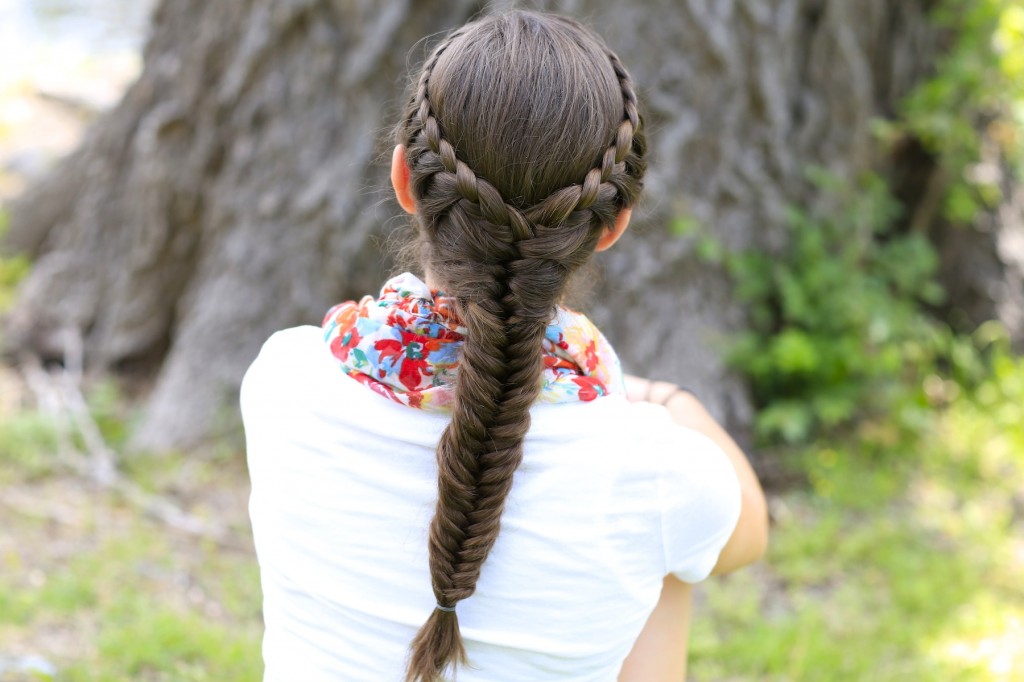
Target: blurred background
{"type": "Point", "coordinates": [830, 252]}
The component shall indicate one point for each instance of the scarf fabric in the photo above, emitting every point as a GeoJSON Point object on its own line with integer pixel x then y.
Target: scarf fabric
{"type": "Point", "coordinates": [405, 345]}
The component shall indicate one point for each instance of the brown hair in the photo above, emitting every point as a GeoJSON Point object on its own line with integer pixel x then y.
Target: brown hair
{"type": "Point", "coordinates": [524, 143]}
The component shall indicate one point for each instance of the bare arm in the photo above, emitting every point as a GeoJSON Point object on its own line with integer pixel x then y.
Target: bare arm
{"type": "Point", "coordinates": [750, 538]}
{"type": "Point", "coordinates": [659, 653]}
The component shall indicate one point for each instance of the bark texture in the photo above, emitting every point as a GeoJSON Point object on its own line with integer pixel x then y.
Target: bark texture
{"type": "Point", "coordinates": [238, 188]}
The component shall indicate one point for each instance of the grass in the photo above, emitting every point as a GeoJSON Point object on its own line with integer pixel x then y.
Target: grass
{"type": "Point", "coordinates": [106, 594]}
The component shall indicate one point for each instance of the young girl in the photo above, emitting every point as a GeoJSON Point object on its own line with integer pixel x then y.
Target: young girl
{"type": "Point", "coordinates": [455, 478]}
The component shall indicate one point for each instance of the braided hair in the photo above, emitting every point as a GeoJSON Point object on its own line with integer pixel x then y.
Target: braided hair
{"type": "Point", "coordinates": [524, 143]}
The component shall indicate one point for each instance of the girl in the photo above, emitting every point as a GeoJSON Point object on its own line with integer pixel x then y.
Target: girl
{"type": "Point", "coordinates": [456, 478]}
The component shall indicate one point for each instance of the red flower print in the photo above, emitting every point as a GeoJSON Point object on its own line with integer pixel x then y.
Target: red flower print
{"type": "Point", "coordinates": [344, 343]}
{"type": "Point", "coordinates": [409, 356]}
{"type": "Point", "coordinates": [389, 349]}
{"type": "Point", "coordinates": [375, 386]}
{"type": "Point", "coordinates": [590, 356]}
{"type": "Point", "coordinates": [411, 373]}
{"type": "Point", "coordinates": [396, 318]}
{"type": "Point", "coordinates": [590, 388]}
{"type": "Point", "coordinates": [553, 362]}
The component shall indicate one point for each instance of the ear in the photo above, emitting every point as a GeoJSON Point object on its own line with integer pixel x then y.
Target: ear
{"type": "Point", "coordinates": [613, 232]}
{"type": "Point", "coordinates": [400, 180]}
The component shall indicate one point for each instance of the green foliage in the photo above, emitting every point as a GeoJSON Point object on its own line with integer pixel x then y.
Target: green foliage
{"type": "Point", "coordinates": [840, 332]}
{"type": "Point", "coordinates": [837, 331]}
{"type": "Point", "coordinates": [975, 98]}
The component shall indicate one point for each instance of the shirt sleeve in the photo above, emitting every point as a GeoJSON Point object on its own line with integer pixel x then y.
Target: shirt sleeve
{"type": "Point", "coordinates": [273, 402]}
{"type": "Point", "coordinates": [271, 381]}
{"type": "Point", "coordinates": [700, 504]}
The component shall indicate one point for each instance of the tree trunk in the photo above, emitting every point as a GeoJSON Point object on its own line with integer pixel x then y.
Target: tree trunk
{"type": "Point", "coordinates": [238, 187]}
{"type": "Point", "coordinates": [981, 266]}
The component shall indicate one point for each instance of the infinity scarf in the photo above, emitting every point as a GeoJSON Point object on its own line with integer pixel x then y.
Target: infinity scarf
{"type": "Point", "coordinates": [405, 344]}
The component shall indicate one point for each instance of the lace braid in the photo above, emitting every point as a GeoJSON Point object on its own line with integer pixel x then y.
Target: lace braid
{"type": "Point", "coordinates": [507, 266]}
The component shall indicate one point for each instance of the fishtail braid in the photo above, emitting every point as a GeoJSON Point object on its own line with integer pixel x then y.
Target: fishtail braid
{"type": "Point", "coordinates": [506, 263]}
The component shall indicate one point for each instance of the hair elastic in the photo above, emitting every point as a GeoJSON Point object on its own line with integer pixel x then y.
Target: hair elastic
{"type": "Point", "coordinates": [446, 609]}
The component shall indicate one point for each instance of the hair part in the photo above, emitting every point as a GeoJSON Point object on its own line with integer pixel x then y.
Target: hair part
{"type": "Point", "coordinates": [524, 142]}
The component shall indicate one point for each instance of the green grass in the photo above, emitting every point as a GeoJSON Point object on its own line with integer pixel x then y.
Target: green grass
{"type": "Point", "coordinates": [28, 442]}
{"type": "Point", "coordinates": [109, 595]}
{"type": "Point", "coordinates": [148, 640]}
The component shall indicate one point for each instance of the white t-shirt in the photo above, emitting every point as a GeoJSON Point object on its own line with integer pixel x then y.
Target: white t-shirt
{"type": "Point", "coordinates": [610, 497]}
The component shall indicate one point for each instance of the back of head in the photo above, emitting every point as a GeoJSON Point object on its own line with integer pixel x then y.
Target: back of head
{"type": "Point", "coordinates": [523, 144]}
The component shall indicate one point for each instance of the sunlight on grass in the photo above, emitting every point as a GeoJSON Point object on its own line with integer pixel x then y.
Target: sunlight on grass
{"type": "Point", "coordinates": [986, 636]}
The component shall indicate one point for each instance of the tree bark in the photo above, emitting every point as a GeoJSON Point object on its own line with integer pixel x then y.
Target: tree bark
{"type": "Point", "coordinates": [981, 266]}
{"type": "Point", "coordinates": [238, 187]}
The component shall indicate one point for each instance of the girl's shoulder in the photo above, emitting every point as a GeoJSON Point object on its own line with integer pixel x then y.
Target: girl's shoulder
{"type": "Point", "coordinates": [292, 345]}
{"type": "Point", "coordinates": [284, 364]}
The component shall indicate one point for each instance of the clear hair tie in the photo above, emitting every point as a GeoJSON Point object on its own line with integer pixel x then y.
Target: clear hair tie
{"type": "Point", "coordinates": [446, 609]}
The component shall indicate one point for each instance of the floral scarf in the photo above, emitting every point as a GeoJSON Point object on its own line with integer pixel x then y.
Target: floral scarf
{"type": "Point", "coordinates": [405, 346]}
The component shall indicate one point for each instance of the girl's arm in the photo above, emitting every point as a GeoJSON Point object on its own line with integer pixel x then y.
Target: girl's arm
{"type": "Point", "coordinates": [750, 538]}
{"type": "Point", "coordinates": [659, 653]}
